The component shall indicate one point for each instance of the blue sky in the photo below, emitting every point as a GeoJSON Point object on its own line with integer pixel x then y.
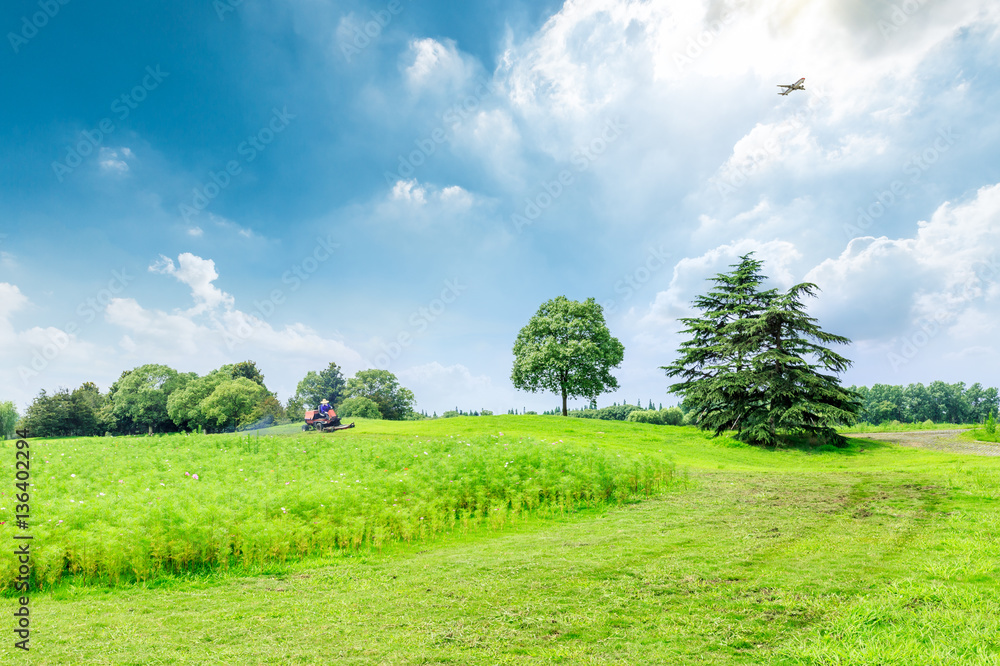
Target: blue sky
{"type": "Point", "coordinates": [402, 184]}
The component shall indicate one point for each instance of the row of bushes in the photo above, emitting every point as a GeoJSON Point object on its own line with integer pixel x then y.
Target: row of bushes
{"type": "Point", "coordinates": [667, 416]}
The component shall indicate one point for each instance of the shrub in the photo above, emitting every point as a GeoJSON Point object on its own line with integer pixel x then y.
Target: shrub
{"type": "Point", "coordinates": [651, 416]}
{"type": "Point", "coordinates": [991, 424]}
{"type": "Point", "coordinates": [616, 412]}
{"type": "Point", "coordinates": [451, 413]}
{"type": "Point", "coordinates": [672, 416]}
{"type": "Point", "coordinates": [359, 407]}
{"type": "Point", "coordinates": [928, 423]}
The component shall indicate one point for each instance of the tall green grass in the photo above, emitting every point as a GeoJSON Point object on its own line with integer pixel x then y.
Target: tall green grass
{"type": "Point", "coordinates": [120, 510]}
{"type": "Point", "coordinates": [981, 435]}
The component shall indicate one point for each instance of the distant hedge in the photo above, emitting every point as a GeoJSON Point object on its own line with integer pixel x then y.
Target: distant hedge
{"type": "Point", "coordinates": [669, 416]}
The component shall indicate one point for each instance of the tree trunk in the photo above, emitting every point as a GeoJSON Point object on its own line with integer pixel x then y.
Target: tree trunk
{"type": "Point", "coordinates": [565, 413]}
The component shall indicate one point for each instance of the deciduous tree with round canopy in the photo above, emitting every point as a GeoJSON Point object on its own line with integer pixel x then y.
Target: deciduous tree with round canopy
{"type": "Point", "coordinates": [567, 348]}
{"type": "Point", "coordinates": [328, 384]}
{"type": "Point", "coordinates": [394, 402]}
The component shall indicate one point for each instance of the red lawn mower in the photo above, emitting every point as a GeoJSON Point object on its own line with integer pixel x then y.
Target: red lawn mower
{"type": "Point", "coordinates": [316, 420]}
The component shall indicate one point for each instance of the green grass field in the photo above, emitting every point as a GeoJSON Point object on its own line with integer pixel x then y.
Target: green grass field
{"type": "Point", "coordinates": [979, 434]}
{"type": "Point", "coordinates": [873, 554]}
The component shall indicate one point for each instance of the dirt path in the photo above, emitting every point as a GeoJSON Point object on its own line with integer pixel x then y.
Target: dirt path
{"type": "Point", "coordinates": [939, 440]}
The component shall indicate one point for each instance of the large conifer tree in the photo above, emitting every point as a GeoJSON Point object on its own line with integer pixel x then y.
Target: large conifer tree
{"type": "Point", "coordinates": [788, 374]}
{"type": "Point", "coordinates": [755, 359]}
{"type": "Point", "coordinates": [715, 360]}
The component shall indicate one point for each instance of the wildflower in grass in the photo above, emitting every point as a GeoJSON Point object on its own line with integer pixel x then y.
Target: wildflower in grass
{"type": "Point", "coordinates": [195, 477]}
{"type": "Point", "coordinates": [73, 475]}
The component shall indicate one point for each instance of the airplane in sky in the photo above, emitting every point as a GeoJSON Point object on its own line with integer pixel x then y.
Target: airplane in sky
{"type": "Point", "coordinates": [798, 85]}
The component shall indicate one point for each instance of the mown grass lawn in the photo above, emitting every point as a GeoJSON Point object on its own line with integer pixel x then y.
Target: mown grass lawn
{"type": "Point", "coordinates": [871, 555]}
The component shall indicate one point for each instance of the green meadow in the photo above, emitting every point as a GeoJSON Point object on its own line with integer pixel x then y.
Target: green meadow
{"type": "Point", "coordinates": [559, 541]}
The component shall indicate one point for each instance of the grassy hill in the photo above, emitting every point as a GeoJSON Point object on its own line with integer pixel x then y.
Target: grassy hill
{"type": "Point", "coordinates": [874, 554]}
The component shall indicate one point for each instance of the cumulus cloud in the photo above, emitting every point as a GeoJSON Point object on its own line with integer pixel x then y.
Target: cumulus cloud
{"type": "Point", "coordinates": [11, 300]}
{"type": "Point", "coordinates": [438, 66]}
{"type": "Point", "coordinates": [215, 332]}
{"type": "Point", "coordinates": [410, 203]}
{"type": "Point", "coordinates": [198, 274]}
{"type": "Point", "coordinates": [952, 264]}
{"type": "Point", "coordinates": [40, 355]}
{"type": "Point", "coordinates": [409, 191]}
{"type": "Point", "coordinates": [692, 274]}
{"type": "Point", "coordinates": [209, 334]}
{"type": "Point", "coordinates": [680, 72]}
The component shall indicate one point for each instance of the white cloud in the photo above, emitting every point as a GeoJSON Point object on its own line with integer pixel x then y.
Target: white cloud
{"type": "Point", "coordinates": [688, 65]}
{"type": "Point", "coordinates": [409, 191]}
{"type": "Point", "coordinates": [416, 205]}
{"type": "Point", "coordinates": [233, 227]}
{"type": "Point", "coordinates": [438, 66]}
{"type": "Point", "coordinates": [214, 332]}
{"type": "Point", "coordinates": [950, 265]}
{"type": "Point", "coordinates": [40, 356]}
{"type": "Point", "coordinates": [492, 133]}
{"type": "Point", "coordinates": [11, 300]}
{"type": "Point", "coordinates": [199, 274]}
{"type": "Point", "coordinates": [110, 161]}
{"type": "Point", "coordinates": [692, 274]}
{"type": "Point", "coordinates": [790, 147]}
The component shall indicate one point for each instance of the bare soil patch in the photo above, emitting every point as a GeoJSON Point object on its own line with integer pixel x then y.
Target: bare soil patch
{"type": "Point", "coordinates": [939, 440]}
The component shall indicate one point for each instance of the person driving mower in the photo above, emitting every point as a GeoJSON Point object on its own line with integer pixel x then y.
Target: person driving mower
{"type": "Point", "coordinates": [324, 419]}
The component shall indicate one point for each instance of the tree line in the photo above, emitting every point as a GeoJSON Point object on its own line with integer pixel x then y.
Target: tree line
{"type": "Point", "coordinates": [156, 398]}
{"type": "Point", "coordinates": [938, 402]}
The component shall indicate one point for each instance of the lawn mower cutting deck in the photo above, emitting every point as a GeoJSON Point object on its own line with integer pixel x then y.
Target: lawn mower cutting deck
{"type": "Point", "coordinates": [316, 421]}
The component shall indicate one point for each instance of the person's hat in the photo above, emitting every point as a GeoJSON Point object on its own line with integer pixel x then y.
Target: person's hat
{"type": "Point", "coordinates": [324, 402]}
